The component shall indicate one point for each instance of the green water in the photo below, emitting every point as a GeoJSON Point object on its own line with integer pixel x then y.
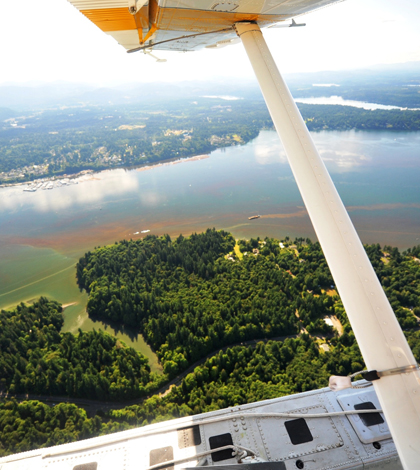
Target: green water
{"type": "Point", "coordinates": [43, 234]}
{"type": "Point", "coordinates": [27, 272]}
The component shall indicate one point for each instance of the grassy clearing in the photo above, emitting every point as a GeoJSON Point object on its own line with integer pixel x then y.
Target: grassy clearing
{"type": "Point", "coordinates": [238, 253]}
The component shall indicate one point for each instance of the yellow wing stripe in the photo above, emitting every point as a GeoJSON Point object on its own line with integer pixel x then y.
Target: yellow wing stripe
{"type": "Point", "coordinates": [118, 19]}
{"type": "Point", "coordinates": [111, 19]}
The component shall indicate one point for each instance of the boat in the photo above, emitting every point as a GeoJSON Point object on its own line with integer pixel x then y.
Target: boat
{"type": "Point", "coordinates": [254, 217]}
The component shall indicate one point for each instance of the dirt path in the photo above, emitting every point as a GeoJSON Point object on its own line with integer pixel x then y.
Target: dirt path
{"type": "Point", "coordinates": [337, 324]}
{"type": "Point", "coordinates": [68, 305]}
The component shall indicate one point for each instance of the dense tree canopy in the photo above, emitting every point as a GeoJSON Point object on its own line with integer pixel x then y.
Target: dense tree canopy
{"type": "Point", "coordinates": [193, 295]}
{"type": "Point", "coordinates": [36, 358]}
{"type": "Point", "coordinates": [190, 297]}
{"type": "Point", "coordinates": [187, 299]}
{"type": "Point", "coordinates": [32, 424]}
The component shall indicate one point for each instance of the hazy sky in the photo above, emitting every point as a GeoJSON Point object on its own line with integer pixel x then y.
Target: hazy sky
{"type": "Point", "coordinates": [48, 40]}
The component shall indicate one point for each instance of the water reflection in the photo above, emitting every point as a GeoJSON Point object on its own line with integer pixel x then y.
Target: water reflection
{"type": "Point", "coordinates": [88, 190]}
{"type": "Point", "coordinates": [152, 198]}
{"type": "Point", "coordinates": [269, 154]}
{"type": "Point", "coordinates": [342, 160]}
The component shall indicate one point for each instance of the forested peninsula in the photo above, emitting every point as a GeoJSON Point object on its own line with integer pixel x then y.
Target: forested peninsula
{"type": "Point", "coordinates": [189, 297]}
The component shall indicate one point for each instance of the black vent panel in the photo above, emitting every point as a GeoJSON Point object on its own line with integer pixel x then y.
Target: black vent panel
{"type": "Point", "coordinates": [368, 419]}
{"type": "Point", "coordinates": [298, 431]}
{"type": "Point", "coordinates": [220, 441]}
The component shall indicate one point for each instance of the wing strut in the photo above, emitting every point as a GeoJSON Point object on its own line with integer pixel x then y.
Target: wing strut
{"type": "Point", "coordinates": [377, 331]}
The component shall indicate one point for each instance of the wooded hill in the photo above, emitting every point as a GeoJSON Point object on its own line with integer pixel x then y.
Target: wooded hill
{"type": "Point", "coordinates": [36, 358]}
{"type": "Point", "coordinates": [193, 295]}
{"type": "Point", "coordinates": [187, 299]}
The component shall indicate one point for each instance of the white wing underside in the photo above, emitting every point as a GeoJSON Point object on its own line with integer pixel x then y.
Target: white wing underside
{"type": "Point", "coordinates": [164, 24]}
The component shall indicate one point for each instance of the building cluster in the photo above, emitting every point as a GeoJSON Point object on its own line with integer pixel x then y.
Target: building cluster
{"type": "Point", "coordinates": [217, 141]}
{"type": "Point", "coordinates": [24, 172]}
{"type": "Point", "coordinates": [102, 155]}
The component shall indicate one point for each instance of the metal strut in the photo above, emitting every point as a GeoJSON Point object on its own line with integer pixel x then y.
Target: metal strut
{"type": "Point", "coordinates": [377, 331]}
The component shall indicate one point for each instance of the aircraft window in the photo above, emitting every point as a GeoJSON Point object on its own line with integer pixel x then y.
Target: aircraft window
{"type": "Point", "coordinates": [369, 419]}
{"type": "Point", "coordinates": [86, 466]}
{"type": "Point", "coordinates": [162, 455]}
{"type": "Point", "coordinates": [220, 441]}
{"type": "Point", "coordinates": [188, 437]}
{"type": "Point", "coordinates": [298, 431]}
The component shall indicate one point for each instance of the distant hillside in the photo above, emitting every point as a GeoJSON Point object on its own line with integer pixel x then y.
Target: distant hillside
{"type": "Point", "coordinates": [382, 74]}
{"type": "Point", "coordinates": [48, 95]}
{"type": "Point", "coordinates": [380, 82]}
{"type": "Point", "coordinates": [6, 113]}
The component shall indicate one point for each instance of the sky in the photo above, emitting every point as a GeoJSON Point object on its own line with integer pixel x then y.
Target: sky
{"type": "Point", "coordinates": [49, 40]}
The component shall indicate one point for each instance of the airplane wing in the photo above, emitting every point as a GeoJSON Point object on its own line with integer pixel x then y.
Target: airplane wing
{"type": "Point", "coordinates": [186, 25]}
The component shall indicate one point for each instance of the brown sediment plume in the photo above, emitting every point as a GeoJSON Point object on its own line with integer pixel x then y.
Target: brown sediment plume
{"type": "Point", "coordinates": [293, 221]}
{"type": "Point", "coordinates": [388, 232]}
{"type": "Point", "coordinates": [380, 207]}
{"type": "Point", "coordinates": [371, 207]}
{"type": "Point", "coordinates": [301, 213]}
{"type": "Point", "coordinates": [87, 237]}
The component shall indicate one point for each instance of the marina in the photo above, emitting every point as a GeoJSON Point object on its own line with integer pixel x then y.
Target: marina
{"type": "Point", "coordinates": [49, 184]}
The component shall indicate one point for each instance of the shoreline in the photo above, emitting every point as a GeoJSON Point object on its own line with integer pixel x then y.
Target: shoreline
{"type": "Point", "coordinates": [141, 167]}
{"type": "Point", "coordinates": [45, 179]}
{"type": "Point", "coordinates": [172, 162]}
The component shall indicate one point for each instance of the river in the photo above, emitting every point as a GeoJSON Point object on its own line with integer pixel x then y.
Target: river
{"type": "Point", "coordinates": [42, 234]}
